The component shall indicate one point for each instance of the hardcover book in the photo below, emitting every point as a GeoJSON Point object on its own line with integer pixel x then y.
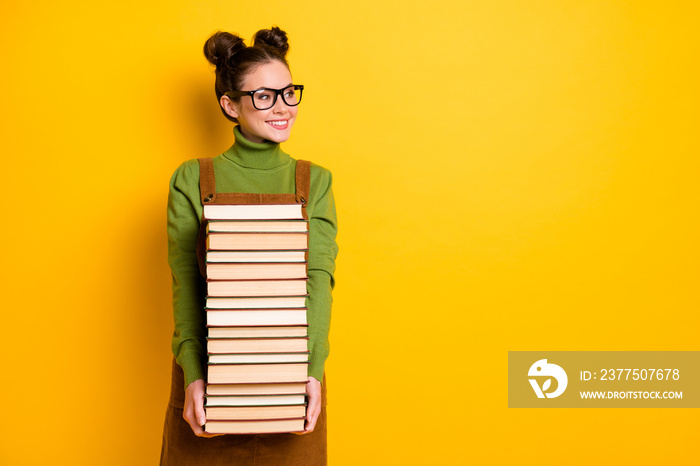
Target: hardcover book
{"type": "Point", "coordinates": [245, 271]}
{"type": "Point", "coordinates": [288, 226]}
{"type": "Point", "coordinates": [253, 317]}
{"type": "Point", "coordinates": [256, 256]}
{"type": "Point", "coordinates": [256, 332]}
{"type": "Point", "coordinates": [251, 358]}
{"type": "Point", "coordinates": [257, 373]}
{"type": "Point", "coordinates": [254, 427]}
{"type": "Point", "coordinates": [234, 413]}
{"type": "Point", "coordinates": [245, 389]}
{"type": "Point", "coordinates": [247, 302]}
{"type": "Point", "coordinates": [256, 241]}
{"type": "Point", "coordinates": [253, 212]}
{"type": "Point", "coordinates": [250, 288]}
{"type": "Point", "coordinates": [257, 345]}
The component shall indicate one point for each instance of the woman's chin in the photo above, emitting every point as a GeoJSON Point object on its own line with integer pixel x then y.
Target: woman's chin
{"type": "Point", "coordinates": [278, 137]}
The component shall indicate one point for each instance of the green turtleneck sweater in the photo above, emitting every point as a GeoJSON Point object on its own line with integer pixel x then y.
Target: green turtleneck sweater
{"type": "Point", "coordinates": [246, 167]}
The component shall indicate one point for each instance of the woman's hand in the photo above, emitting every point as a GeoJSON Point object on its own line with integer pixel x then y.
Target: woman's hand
{"type": "Point", "coordinates": [194, 408]}
{"type": "Point", "coordinates": [313, 408]}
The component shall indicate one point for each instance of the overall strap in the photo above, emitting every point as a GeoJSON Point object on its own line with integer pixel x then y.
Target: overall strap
{"type": "Point", "coordinates": [303, 181]}
{"type": "Point", "coordinates": [207, 193]}
{"type": "Point", "coordinates": [207, 180]}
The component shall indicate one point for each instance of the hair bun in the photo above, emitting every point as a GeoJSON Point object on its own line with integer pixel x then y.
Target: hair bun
{"type": "Point", "coordinates": [221, 46]}
{"type": "Point", "coordinates": [274, 38]}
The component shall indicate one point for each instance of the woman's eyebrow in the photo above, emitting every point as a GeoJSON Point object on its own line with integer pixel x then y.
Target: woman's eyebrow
{"type": "Point", "coordinates": [284, 87]}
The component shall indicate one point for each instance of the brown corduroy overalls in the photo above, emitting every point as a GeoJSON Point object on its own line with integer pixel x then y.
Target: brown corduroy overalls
{"type": "Point", "coordinates": [180, 445]}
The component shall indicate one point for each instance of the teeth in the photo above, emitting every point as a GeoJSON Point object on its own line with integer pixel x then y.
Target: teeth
{"type": "Point", "coordinates": [278, 122]}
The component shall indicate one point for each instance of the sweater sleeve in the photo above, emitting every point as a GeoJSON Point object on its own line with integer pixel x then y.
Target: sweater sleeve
{"type": "Point", "coordinates": [184, 210]}
{"type": "Point", "coordinates": [322, 253]}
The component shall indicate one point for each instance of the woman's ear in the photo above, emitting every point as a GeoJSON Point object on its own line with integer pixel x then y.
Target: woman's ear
{"type": "Point", "coordinates": [229, 106]}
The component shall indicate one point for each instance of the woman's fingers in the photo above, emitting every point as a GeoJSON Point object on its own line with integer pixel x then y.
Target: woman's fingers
{"type": "Point", "coordinates": [194, 408]}
{"type": "Point", "coordinates": [313, 407]}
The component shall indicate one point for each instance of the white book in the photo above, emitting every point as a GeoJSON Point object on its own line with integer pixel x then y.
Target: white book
{"type": "Point", "coordinates": [255, 427]}
{"type": "Point", "coordinates": [257, 345]}
{"type": "Point", "coordinates": [249, 288]}
{"type": "Point", "coordinates": [272, 302]}
{"type": "Point", "coordinates": [254, 413]}
{"type": "Point", "coordinates": [257, 373]}
{"type": "Point", "coordinates": [255, 256]}
{"type": "Point", "coordinates": [224, 318]}
{"type": "Point", "coordinates": [266, 400]}
{"type": "Point", "coordinates": [257, 389]}
{"type": "Point", "coordinates": [257, 357]}
{"type": "Point", "coordinates": [256, 332]}
{"type": "Point", "coordinates": [223, 226]}
{"type": "Point", "coordinates": [245, 271]}
{"type": "Point", "coordinates": [253, 212]}
{"type": "Point", "coordinates": [268, 241]}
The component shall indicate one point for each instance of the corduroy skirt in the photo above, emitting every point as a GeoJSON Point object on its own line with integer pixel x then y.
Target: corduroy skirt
{"type": "Point", "coordinates": [182, 448]}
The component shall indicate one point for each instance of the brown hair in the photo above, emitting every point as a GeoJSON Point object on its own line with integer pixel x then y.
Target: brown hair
{"type": "Point", "coordinates": [234, 60]}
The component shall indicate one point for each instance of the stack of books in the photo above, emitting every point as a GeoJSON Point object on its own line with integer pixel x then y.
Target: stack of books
{"type": "Point", "coordinates": [256, 266]}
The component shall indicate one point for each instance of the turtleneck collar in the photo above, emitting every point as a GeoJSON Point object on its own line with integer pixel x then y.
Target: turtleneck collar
{"type": "Point", "coordinates": [264, 155]}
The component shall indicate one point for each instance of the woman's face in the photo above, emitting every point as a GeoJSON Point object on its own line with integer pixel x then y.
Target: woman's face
{"type": "Point", "coordinates": [273, 124]}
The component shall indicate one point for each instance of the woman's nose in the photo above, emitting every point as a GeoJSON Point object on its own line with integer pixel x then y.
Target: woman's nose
{"type": "Point", "coordinates": [280, 106]}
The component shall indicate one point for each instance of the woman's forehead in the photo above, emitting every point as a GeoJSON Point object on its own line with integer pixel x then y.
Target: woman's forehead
{"type": "Point", "coordinates": [273, 74]}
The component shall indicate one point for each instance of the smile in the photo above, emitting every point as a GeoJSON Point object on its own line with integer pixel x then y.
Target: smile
{"type": "Point", "coordinates": [278, 124]}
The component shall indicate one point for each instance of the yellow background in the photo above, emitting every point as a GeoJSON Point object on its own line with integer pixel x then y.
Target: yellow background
{"type": "Point", "coordinates": [509, 175]}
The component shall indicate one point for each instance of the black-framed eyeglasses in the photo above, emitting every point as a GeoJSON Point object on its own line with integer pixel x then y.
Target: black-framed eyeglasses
{"type": "Point", "coordinates": [265, 97]}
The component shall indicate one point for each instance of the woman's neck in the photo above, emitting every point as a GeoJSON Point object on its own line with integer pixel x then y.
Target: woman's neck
{"type": "Point", "coordinates": [262, 155]}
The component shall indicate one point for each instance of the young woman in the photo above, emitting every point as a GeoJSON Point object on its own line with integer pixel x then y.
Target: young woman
{"type": "Point", "coordinates": [255, 90]}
